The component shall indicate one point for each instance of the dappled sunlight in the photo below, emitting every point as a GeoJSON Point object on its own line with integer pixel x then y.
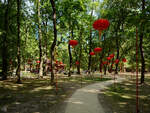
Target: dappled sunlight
{"type": "Point", "coordinates": [122, 103]}
{"type": "Point", "coordinates": [74, 101]}
{"type": "Point", "coordinates": [90, 90]}
{"type": "Point", "coordinates": [41, 88]}
{"type": "Point", "coordinates": [126, 96]}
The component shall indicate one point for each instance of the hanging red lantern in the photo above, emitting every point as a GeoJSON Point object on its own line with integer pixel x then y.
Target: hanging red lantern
{"type": "Point", "coordinates": [104, 62]}
{"type": "Point", "coordinates": [92, 53]}
{"type": "Point", "coordinates": [111, 55]}
{"type": "Point", "coordinates": [38, 61]}
{"type": "Point", "coordinates": [124, 60]}
{"type": "Point", "coordinates": [100, 25]}
{"type": "Point", "coordinates": [77, 63]}
{"type": "Point", "coordinates": [60, 62]}
{"type": "Point", "coordinates": [97, 50]}
{"type": "Point", "coordinates": [73, 43]}
{"type": "Point", "coordinates": [56, 62]}
{"type": "Point", "coordinates": [108, 58]}
{"type": "Point", "coordinates": [117, 61]}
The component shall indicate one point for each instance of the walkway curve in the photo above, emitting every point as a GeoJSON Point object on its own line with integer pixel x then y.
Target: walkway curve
{"type": "Point", "coordinates": [85, 100]}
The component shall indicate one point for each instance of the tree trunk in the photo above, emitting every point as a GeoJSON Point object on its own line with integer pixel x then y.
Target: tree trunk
{"type": "Point", "coordinates": [90, 49]}
{"type": "Point", "coordinates": [4, 47]}
{"type": "Point", "coordinates": [45, 47]}
{"type": "Point", "coordinates": [80, 54]}
{"type": "Point", "coordinates": [69, 49]}
{"type": "Point", "coordinates": [117, 46]}
{"type": "Point", "coordinates": [70, 60]}
{"type": "Point", "coordinates": [40, 39]}
{"type": "Point", "coordinates": [105, 69]}
{"type": "Point", "coordinates": [54, 41]}
{"type": "Point", "coordinates": [90, 44]}
{"type": "Point", "coordinates": [141, 45]}
{"type": "Point", "coordinates": [18, 42]}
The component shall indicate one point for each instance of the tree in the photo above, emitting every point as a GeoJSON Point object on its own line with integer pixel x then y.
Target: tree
{"type": "Point", "coordinates": [18, 42]}
{"type": "Point", "coordinates": [54, 41]}
{"type": "Point", "coordinates": [40, 39]}
{"type": "Point", "coordinates": [141, 43]}
{"type": "Point", "coordinates": [5, 44]}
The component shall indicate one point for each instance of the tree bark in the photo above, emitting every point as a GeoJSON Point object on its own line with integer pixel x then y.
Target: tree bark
{"type": "Point", "coordinates": [18, 42]}
{"type": "Point", "coordinates": [117, 46]}
{"type": "Point", "coordinates": [80, 54]}
{"type": "Point", "coordinates": [70, 60]}
{"type": "Point", "coordinates": [90, 45]}
{"type": "Point", "coordinates": [69, 49]}
{"type": "Point", "coordinates": [4, 47]}
{"type": "Point", "coordinates": [141, 45]}
{"type": "Point", "coordinates": [54, 41]}
{"type": "Point", "coordinates": [40, 39]}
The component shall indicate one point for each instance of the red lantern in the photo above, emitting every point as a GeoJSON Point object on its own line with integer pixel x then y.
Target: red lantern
{"type": "Point", "coordinates": [97, 50]}
{"type": "Point", "coordinates": [100, 25]}
{"type": "Point", "coordinates": [111, 55]}
{"type": "Point", "coordinates": [104, 62]}
{"type": "Point", "coordinates": [77, 63]}
{"type": "Point", "coordinates": [108, 58]}
{"type": "Point", "coordinates": [92, 53]}
{"type": "Point", "coordinates": [117, 61]}
{"type": "Point", "coordinates": [73, 43]}
{"type": "Point", "coordinates": [60, 62]}
{"type": "Point", "coordinates": [38, 61]}
{"type": "Point", "coordinates": [124, 60]}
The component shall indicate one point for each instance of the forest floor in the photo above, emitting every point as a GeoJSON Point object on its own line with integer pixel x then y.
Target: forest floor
{"type": "Point", "coordinates": [122, 97]}
{"type": "Point", "coordinates": [38, 96]}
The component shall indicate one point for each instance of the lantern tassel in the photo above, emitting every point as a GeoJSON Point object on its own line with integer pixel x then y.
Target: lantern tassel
{"type": "Point", "coordinates": [100, 32]}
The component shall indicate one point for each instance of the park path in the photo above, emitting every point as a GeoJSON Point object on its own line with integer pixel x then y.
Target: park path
{"type": "Point", "coordinates": [85, 100]}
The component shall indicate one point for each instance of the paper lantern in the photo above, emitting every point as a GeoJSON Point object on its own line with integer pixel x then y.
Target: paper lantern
{"type": "Point", "coordinates": [77, 63]}
{"type": "Point", "coordinates": [97, 50]}
{"type": "Point", "coordinates": [124, 60]}
{"type": "Point", "coordinates": [73, 43]}
{"type": "Point", "coordinates": [38, 61]}
{"type": "Point", "coordinates": [56, 62]}
{"type": "Point", "coordinates": [117, 61]}
{"type": "Point", "coordinates": [111, 55]}
{"type": "Point", "coordinates": [104, 62]}
{"type": "Point", "coordinates": [108, 58]}
{"type": "Point", "coordinates": [92, 53]}
{"type": "Point", "coordinates": [100, 25]}
{"type": "Point", "coordinates": [60, 62]}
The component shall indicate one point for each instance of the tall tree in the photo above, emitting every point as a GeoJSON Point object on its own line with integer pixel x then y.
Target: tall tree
{"type": "Point", "coordinates": [90, 42]}
{"type": "Point", "coordinates": [54, 41]}
{"type": "Point", "coordinates": [18, 42]}
{"type": "Point", "coordinates": [40, 39]}
{"type": "Point", "coordinates": [141, 43]}
{"type": "Point", "coordinates": [5, 45]}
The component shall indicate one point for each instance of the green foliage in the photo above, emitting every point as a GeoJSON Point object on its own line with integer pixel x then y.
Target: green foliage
{"type": "Point", "coordinates": [123, 15]}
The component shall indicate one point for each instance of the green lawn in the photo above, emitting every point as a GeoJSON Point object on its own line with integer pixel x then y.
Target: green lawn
{"type": "Point", "coordinates": [122, 98]}
{"type": "Point", "coordinates": [38, 95]}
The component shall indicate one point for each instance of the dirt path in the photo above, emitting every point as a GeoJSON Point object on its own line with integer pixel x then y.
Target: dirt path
{"type": "Point", "coordinates": [85, 100]}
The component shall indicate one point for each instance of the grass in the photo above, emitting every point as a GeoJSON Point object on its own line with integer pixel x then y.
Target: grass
{"type": "Point", "coordinates": [122, 98]}
{"type": "Point", "coordinates": [38, 95]}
